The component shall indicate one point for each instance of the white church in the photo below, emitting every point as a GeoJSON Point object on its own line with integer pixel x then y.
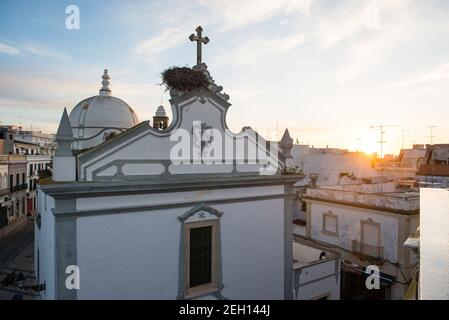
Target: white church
{"type": "Point", "coordinates": [177, 208]}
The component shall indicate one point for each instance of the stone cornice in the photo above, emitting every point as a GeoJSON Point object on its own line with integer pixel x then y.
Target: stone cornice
{"type": "Point", "coordinates": [173, 183]}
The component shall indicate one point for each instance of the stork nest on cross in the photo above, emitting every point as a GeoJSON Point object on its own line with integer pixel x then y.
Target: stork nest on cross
{"type": "Point", "coordinates": [184, 79]}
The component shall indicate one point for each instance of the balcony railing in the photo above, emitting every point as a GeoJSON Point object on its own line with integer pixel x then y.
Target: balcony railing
{"type": "Point", "coordinates": [18, 188]}
{"type": "Point", "coordinates": [4, 191]}
{"type": "Point", "coordinates": [368, 249]}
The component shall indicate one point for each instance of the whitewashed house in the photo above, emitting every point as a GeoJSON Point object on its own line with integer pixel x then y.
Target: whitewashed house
{"type": "Point", "coordinates": [405, 166]}
{"type": "Point", "coordinates": [434, 171]}
{"type": "Point", "coordinates": [142, 217]}
{"type": "Point", "coordinates": [4, 187]}
{"type": "Point", "coordinates": [430, 276]}
{"type": "Point", "coordinates": [367, 224]}
{"type": "Point", "coordinates": [316, 273]}
{"type": "Point", "coordinates": [329, 163]}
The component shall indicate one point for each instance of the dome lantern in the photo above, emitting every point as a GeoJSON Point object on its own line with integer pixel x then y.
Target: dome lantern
{"type": "Point", "coordinates": [95, 119]}
{"type": "Point", "coordinates": [105, 91]}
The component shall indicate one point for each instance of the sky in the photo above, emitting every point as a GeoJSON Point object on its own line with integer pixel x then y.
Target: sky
{"type": "Point", "coordinates": [329, 71]}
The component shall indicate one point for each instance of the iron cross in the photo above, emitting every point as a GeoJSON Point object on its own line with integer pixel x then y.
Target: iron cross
{"type": "Point", "coordinates": [199, 40]}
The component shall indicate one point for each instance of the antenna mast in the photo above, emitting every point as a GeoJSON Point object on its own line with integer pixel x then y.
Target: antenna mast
{"type": "Point", "coordinates": [431, 134]}
{"type": "Point", "coordinates": [381, 141]}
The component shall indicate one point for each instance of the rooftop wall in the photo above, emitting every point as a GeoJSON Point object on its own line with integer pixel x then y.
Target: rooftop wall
{"type": "Point", "coordinates": [396, 201]}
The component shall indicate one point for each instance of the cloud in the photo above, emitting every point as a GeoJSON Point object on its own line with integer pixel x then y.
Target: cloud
{"type": "Point", "coordinates": [366, 56]}
{"type": "Point", "coordinates": [223, 14]}
{"type": "Point", "coordinates": [299, 6]}
{"type": "Point", "coordinates": [368, 35]}
{"type": "Point", "coordinates": [246, 93]}
{"type": "Point", "coordinates": [50, 86]}
{"type": "Point", "coordinates": [41, 51]}
{"type": "Point", "coordinates": [168, 39]}
{"type": "Point", "coordinates": [230, 15]}
{"type": "Point", "coordinates": [31, 102]}
{"type": "Point", "coordinates": [9, 50]}
{"type": "Point", "coordinates": [438, 74]}
{"type": "Point", "coordinates": [331, 27]}
{"type": "Point", "coordinates": [35, 49]}
{"type": "Point", "coordinates": [254, 50]}
{"type": "Point", "coordinates": [425, 91]}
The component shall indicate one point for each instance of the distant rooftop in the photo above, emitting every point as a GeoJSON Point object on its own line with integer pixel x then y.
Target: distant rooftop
{"type": "Point", "coordinates": [385, 196]}
{"type": "Point", "coordinates": [441, 170]}
{"type": "Point", "coordinates": [27, 143]}
{"type": "Point", "coordinates": [20, 130]}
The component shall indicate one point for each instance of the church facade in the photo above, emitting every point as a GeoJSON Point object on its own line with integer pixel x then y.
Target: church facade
{"type": "Point", "coordinates": [183, 210]}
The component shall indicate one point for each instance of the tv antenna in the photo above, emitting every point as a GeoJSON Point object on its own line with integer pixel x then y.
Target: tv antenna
{"type": "Point", "coordinates": [431, 136]}
{"type": "Point", "coordinates": [381, 141]}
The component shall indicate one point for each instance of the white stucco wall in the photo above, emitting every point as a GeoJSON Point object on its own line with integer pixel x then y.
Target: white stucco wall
{"type": "Point", "coordinates": [124, 201]}
{"type": "Point", "coordinates": [253, 250]}
{"type": "Point", "coordinates": [330, 165]}
{"type": "Point", "coordinates": [434, 244]}
{"type": "Point", "coordinates": [136, 255]}
{"type": "Point", "coordinates": [44, 241]}
{"type": "Point", "coordinates": [315, 287]}
{"type": "Point", "coordinates": [315, 278]}
{"type": "Point", "coordinates": [349, 226]}
{"type": "Point", "coordinates": [4, 178]}
{"type": "Point", "coordinates": [130, 256]}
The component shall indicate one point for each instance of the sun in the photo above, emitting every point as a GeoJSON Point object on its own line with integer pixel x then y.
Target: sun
{"type": "Point", "coordinates": [368, 143]}
{"type": "Point", "coordinates": [370, 148]}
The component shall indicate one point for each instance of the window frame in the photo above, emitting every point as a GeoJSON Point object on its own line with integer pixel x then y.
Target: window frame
{"type": "Point", "coordinates": [199, 216]}
{"type": "Point", "coordinates": [329, 214]}
{"type": "Point", "coordinates": [213, 284]}
{"type": "Point", "coordinates": [373, 223]}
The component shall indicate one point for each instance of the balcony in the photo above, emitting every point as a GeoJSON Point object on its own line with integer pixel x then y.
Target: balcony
{"type": "Point", "coordinates": [4, 192]}
{"type": "Point", "coordinates": [367, 249]}
{"type": "Point", "coordinates": [18, 188]}
{"type": "Point", "coordinates": [38, 157]}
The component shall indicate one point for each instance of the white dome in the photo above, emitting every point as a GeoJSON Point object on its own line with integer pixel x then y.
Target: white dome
{"type": "Point", "coordinates": [95, 119]}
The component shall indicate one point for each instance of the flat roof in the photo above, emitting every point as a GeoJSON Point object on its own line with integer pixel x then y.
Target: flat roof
{"type": "Point", "coordinates": [28, 143]}
{"type": "Point", "coordinates": [304, 255]}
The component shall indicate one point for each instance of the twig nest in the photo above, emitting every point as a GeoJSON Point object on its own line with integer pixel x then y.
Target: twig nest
{"type": "Point", "coordinates": [183, 79]}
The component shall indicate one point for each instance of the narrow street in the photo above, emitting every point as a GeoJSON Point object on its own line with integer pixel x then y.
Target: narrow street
{"type": "Point", "coordinates": [14, 242]}
{"type": "Point", "coordinates": [17, 255]}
